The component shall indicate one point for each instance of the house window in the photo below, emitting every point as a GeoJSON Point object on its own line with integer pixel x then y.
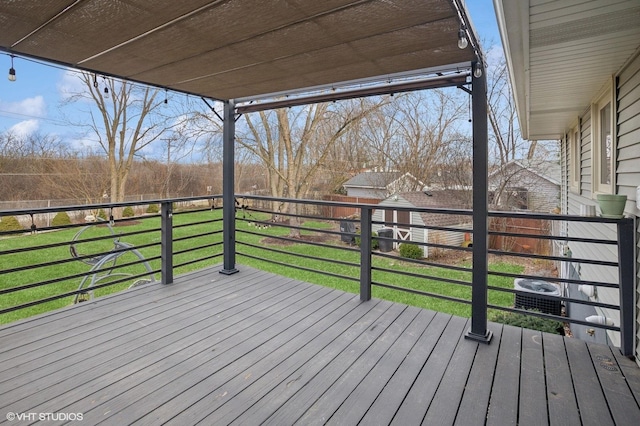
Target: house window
{"type": "Point", "coordinates": [575, 159]}
{"type": "Point", "coordinates": [603, 147]}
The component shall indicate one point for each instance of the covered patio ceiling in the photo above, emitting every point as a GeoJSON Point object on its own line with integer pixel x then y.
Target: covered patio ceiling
{"type": "Point", "coordinates": [243, 49]}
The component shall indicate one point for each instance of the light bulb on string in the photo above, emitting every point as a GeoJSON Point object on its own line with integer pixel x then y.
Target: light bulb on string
{"type": "Point", "coordinates": [12, 71]}
{"type": "Point", "coordinates": [462, 39]}
{"type": "Point", "coordinates": [106, 92]}
{"type": "Point", "coordinates": [477, 72]}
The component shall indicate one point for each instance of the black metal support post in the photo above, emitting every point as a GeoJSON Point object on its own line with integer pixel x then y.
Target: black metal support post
{"type": "Point", "coordinates": [626, 274]}
{"type": "Point", "coordinates": [478, 330]}
{"type": "Point", "coordinates": [228, 188]}
{"type": "Point", "coordinates": [365, 253]}
{"type": "Point", "coordinates": [166, 241]}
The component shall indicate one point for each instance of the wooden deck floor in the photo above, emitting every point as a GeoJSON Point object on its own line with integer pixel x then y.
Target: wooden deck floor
{"type": "Point", "coordinates": [256, 348]}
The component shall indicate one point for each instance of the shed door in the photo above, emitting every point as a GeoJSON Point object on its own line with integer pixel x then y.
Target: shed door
{"type": "Point", "coordinates": [403, 225]}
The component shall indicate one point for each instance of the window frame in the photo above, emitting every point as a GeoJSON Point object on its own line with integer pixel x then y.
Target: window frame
{"type": "Point", "coordinates": [605, 98]}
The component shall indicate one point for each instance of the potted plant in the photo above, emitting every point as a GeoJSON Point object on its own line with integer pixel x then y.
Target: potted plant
{"type": "Point", "coordinates": [612, 205]}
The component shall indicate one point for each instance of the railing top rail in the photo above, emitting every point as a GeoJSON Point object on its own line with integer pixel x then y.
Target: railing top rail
{"type": "Point", "coordinates": [357, 205]}
{"type": "Point", "coordinates": [40, 210]}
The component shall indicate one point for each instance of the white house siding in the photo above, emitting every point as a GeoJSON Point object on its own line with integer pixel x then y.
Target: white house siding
{"type": "Point", "coordinates": [627, 175]}
{"type": "Point", "coordinates": [628, 153]}
{"type": "Point", "coordinates": [543, 194]}
{"type": "Point", "coordinates": [366, 192]}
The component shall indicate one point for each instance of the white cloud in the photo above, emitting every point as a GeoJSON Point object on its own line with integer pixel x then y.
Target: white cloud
{"type": "Point", "coordinates": [25, 128]}
{"type": "Point", "coordinates": [70, 85]}
{"type": "Point", "coordinates": [85, 144]}
{"type": "Point", "coordinates": [35, 107]}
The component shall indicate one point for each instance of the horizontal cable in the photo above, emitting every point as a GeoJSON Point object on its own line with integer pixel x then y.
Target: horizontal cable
{"type": "Point", "coordinates": [421, 293]}
{"type": "Point", "coordinates": [288, 265]}
{"type": "Point", "coordinates": [554, 279]}
{"type": "Point", "coordinates": [70, 293]}
{"type": "Point", "coordinates": [430, 277]}
{"type": "Point", "coordinates": [553, 317]}
{"type": "Point", "coordinates": [305, 256]}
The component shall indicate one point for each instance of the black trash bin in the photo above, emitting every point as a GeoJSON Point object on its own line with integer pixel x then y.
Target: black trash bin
{"type": "Point", "coordinates": [348, 230]}
{"type": "Point", "coordinates": [385, 245]}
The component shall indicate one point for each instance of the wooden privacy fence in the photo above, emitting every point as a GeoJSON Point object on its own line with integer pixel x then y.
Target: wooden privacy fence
{"type": "Point", "coordinates": [520, 226]}
{"type": "Point", "coordinates": [338, 212]}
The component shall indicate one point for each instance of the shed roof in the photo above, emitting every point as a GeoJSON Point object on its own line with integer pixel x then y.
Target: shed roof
{"type": "Point", "coordinates": [242, 49]}
{"type": "Point", "coordinates": [435, 199]}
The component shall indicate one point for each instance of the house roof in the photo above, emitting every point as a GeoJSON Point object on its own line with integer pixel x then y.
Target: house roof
{"type": "Point", "coordinates": [548, 170]}
{"type": "Point", "coordinates": [243, 49]}
{"type": "Point", "coordinates": [374, 180]}
{"type": "Point", "coordinates": [561, 53]}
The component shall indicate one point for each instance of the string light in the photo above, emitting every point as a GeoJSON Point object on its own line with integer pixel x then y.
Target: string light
{"type": "Point", "coordinates": [166, 101]}
{"type": "Point", "coordinates": [12, 71]}
{"type": "Point", "coordinates": [462, 39]}
{"type": "Point", "coordinates": [477, 71]}
{"type": "Point", "coordinates": [106, 89]}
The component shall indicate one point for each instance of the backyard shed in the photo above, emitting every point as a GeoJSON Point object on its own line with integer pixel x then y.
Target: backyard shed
{"type": "Point", "coordinates": [410, 225]}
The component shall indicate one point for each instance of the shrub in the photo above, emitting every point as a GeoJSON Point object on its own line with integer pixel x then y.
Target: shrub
{"type": "Point", "coordinates": [61, 219]}
{"type": "Point", "coordinates": [10, 223]}
{"type": "Point", "coordinates": [128, 212]}
{"type": "Point", "coordinates": [153, 208]}
{"type": "Point", "coordinates": [410, 251]}
{"type": "Point", "coordinates": [102, 215]}
{"type": "Point", "coordinates": [374, 241]}
{"type": "Point", "coordinates": [546, 325]}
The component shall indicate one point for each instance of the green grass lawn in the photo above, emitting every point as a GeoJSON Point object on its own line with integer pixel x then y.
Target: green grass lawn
{"type": "Point", "coordinates": [146, 232]}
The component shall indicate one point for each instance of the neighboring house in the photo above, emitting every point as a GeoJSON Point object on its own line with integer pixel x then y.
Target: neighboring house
{"type": "Point", "coordinates": [575, 73]}
{"type": "Point", "coordinates": [407, 225]}
{"type": "Point", "coordinates": [526, 185]}
{"type": "Point", "coordinates": [380, 184]}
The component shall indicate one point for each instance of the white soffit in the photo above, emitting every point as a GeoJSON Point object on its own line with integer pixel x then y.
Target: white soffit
{"type": "Point", "coordinates": [561, 54]}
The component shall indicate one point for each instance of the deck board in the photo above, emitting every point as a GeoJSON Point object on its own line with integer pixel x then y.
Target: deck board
{"type": "Point", "coordinates": [619, 397]}
{"type": "Point", "coordinates": [591, 401]}
{"type": "Point", "coordinates": [532, 409]}
{"type": "Point", "coordinates": [561, 399]}
{"type": "Point", "coordinates": [504, 402]}
{"type": "Point", "coordinates": [478, 389]}
{"type": "Point", "coordinates": [255, 347]}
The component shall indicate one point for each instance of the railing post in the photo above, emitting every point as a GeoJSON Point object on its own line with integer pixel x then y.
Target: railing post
{"type": "Point", "coordinates": [228, 188]}
{"type": "Point", "coordinates": [365, 253]}
{"type": "Point", "coordinates": [478, 330]}
{"type": "Point", "coordinates": [166, 241]}
{"type": "Point", "coordinates": [626, 275]}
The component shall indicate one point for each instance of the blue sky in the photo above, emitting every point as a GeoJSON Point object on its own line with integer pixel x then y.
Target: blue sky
{"type": "Point", "coordinates": [32, 103]}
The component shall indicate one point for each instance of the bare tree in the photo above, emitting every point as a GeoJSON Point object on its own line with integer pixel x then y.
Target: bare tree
{"type": "Point", "coordinates": [125, 121]}
{"type": "Point", "coordinates": [24, 160]}
{"type": "Point", "coordinates": [295, 143]}
{"type": "Point", "coordinates": [414, 133]}
{"type": "Point", "coordinates": [507, 145]}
